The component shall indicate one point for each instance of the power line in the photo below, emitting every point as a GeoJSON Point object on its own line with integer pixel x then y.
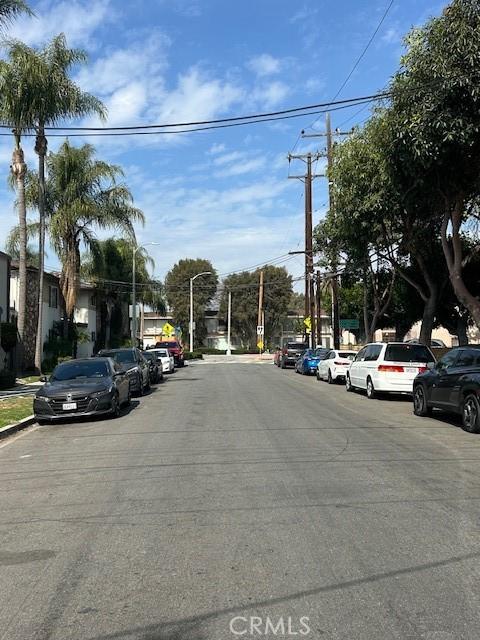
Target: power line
{"type": "Point", "coordinates": [132, 132]}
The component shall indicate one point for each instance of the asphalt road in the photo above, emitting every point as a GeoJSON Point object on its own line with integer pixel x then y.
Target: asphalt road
{"type": "Point", "coordinates": [239, 490]}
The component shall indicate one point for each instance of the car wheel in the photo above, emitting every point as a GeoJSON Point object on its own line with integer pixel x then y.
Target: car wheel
{"type": "Point", "coordinates": [471, 414]}
{"type": "Point", "coordinates": [348, 383]}
{"type": "Point", "coordinates": [318, 376]}
{"type": "Point", "coordinates": [371, 393]}
{"type": "Point", "coordinates": [283, 365]}
{"type": "Point", "coordinates": [420, 405]}
{"type": "Point", "coordinates": [329, 377]}
{"type": "Point", "coordinates": [115, 411]}
{"type": "Point", "coordinates": [41, 422]}
{"type": "Point", "coordinates": [148, 386]}
{"type": "Point", "coordinates": [140, 386]}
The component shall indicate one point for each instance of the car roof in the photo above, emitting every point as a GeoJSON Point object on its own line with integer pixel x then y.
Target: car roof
{"type": "Point", "coordinates": [467, 346]}
{"type": "Point", "coordinates": [117, 350]}
{"type": "Point", "coordinates": [82, 360]}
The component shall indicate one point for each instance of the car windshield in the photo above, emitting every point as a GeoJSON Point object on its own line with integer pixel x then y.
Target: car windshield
{"type": "Point", "coordinates": [350, 355]}
{"type": "Point", "coordinates": [120, 356]}
{"type": "Point", "coordinates": [149, 356]}
{"type": "Point", "coordinates": [171, 345]}
{"type": "Point", "coordinates": [76, 370]}
{"type": "Point", "coordinates": [161, 353]}
{"type": "Point", "coordinates": [297, 345]}
{"type": "Point", "coordinates": [408, 353]}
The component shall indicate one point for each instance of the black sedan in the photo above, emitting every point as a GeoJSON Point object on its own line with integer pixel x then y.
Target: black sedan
{"type": "Point", "coordinates": [135, 366]}
{"type": "Point", "coordinates": [154, 365]}
{"type": "Point", "coordinates": [84, 387]}
{"type": "Point", "coordinates": [452, 384]}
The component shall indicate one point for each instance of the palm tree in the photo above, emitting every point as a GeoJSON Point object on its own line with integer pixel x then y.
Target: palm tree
{"type": "Point", "coordinates": [83, 194]}
{"type": "Point", "coordinates": [13, 115]}
{"type": "Point", "coordinates": [52, 97]}
{"type": "Point", "coordinates": [109, 265]}
{"type": "Point", "coordinates": [10, 9]}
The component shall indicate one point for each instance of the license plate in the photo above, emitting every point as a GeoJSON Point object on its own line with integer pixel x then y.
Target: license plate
{"type": "Point", "coordinates": [411, 370]}
{"type": "Point", "coordinates": [69, 406]}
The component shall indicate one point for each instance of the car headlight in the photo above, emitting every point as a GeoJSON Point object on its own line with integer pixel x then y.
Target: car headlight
{"type": "Point", "coordinates": [131, 373]}
{"type": "Point", "coordinates": [100, 394]}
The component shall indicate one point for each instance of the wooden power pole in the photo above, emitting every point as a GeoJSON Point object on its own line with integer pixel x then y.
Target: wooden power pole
{"type": "Point", "coordinates": [334, 281]}
{"type": "Point", "coordinates": [260, 309]}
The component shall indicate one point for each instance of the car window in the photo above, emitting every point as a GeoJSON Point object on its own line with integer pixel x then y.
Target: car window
{"type": "Point", "coordinates": [373, 351]}
{"type": "Point", "coordinates": [448, 360]}
{"type": "Point", "coordinates": [468, 358]}
{"type": "Point", "coordinates": [80, 369]}
{"type": "Point", "coordinates": [408, 353]}
{"type": "Point", "coordinates": [361, 355]}
{"type": "Point", "coordinates": [350, 355]}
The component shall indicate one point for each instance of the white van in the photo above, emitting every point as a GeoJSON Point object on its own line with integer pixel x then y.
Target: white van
{"type": "Point", "coordinates": [388, 367]}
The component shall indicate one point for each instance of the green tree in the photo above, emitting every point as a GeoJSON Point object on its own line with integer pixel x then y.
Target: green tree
{"type": "Point", "coordinates": [436, 101]}
{"type": "Point", "coordinates": [50, 95]}
{"type": "Point", "coordinates": [109, 265]}
{"type": "Point", "coordinates": [277, 297]}
{"type": "Point", "coordinates": [177, 291]}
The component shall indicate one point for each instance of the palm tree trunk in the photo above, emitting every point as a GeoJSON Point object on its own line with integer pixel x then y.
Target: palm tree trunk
{"type": "Point", "coordinates": [41, 150]}
{"type": "Point", "coordinates": [19, 169]}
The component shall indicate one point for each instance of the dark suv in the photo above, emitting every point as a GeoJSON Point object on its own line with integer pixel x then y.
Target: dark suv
{"type": "Point", "coordinates": [134, 364]}
{"type": "Point", "coordinates": [452, 384]}
{"type": "Point", "coordinates": [291, 352]}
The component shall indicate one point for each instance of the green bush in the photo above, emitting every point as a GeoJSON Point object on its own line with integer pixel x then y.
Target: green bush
{"type": "Point", "coordinates": [9, 335]}
{"type": "Point", "coordinates": [49, 364]}
{"type": "Point", "coordinates": [7, 379]}
{"type": "Point", "coordinates": [193, 355]}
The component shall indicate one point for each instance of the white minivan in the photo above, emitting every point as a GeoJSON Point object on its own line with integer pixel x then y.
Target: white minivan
{"type": "Point", "coordinates": [388, 367]}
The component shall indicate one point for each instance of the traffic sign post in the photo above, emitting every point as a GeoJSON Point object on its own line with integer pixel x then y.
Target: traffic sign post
{"type": "Point", "coordinates": [260, 330]}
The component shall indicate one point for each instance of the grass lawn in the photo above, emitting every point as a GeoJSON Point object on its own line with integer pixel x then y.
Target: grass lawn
{"type": "Point", "coordinates": [14, 409]}
{"type": "Point", "coordinates": [30, 379]}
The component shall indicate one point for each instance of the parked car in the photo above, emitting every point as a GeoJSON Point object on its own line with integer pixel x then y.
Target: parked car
{"type": "Point", "coordinates": [307, 363]}
{"type": "Point", "coordinates": [175, 349]}
{"type": "Point", "coordinates": [291, 352]}
{"type": "Point", "coordinates": [154, 365]}
{"type": "Point", "coordinates": [452, 384]}
{"type": "Point", "coordinates": [434, 342]}
{"type": "Point", "coordinates": [388, 367]}
{"type": "Point", "coordinates": [134, 364]}
{"type": "Point", "coordinates": [333, 367]}
{"type": "Point", "coordinates": [83, 387]}
{"type": "Point", "coordinates": [165, 358]}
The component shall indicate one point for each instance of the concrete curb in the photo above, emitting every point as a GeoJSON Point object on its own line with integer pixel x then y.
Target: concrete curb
{"type": "Point", "coordinates": [16, 426]}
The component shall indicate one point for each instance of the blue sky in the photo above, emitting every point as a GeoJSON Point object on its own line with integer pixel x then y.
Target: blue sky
{"type": "Point", "coordinates": [222, 195]}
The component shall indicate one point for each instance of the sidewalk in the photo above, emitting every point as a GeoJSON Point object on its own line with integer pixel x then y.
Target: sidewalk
{"type": "Point", "coordinates": [21, 389]}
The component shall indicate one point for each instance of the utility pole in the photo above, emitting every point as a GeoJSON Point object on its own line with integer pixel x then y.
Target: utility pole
{"type": "Point", "coordinates": [260, 308]}
{"type": "Point", "coordinates": [334, 281]}
{"type": "Point", "coordinates": [319, 308]}
{"type": "Point", "coordinates": [229, 325]}
{"type": "Point", "coordinates": [309, 286]}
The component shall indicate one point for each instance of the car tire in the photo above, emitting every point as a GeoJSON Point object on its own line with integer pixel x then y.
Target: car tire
{"type": "Point", "coordinates": [140, 386]}
{"type": "Point", "coordinates": [471, 414]}
{"type": "Point", "coordinates": [318, 376]}
{"type": "Point", "coordinates": [371, 393]}
{"type": "Point", "coordinates": [41, 422]}
{"type": "Point", "coordinates": [420, 405]}
{"type": "Point", "coordinates": [148, 386]}
{"type": "Point", "coordinates": [283, 365]}
{"type": "Point", "coordinates": [348, 384]}
{"type": "Point", "coordinates": [329, 377]}
{"type": "Point", "coordinates": [115, 406]}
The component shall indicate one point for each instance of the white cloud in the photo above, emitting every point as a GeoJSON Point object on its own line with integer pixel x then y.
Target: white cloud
{"type": "Point", "coordinates": [392, 36]}
{"type": "Point", "coordinates": [271, 94]}
{"type": "Point", "coordinates": [76, 18]}
{"type": "Point", "coordinates": [241, 168]}
{"type": "Point", "coordinates": [216, 148]}
{"type": "Point", "coordinates": [264, 65]}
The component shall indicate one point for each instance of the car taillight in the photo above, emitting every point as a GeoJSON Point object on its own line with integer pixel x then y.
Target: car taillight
{"type": "Point", "coordinates": [422, 369]}
{"type": "Point", "coordinates": [343, 364]}
{"type": "Point", "coordinates": [390, 368]}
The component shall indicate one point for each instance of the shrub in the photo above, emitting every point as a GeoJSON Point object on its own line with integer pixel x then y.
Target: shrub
{"type": "Point", "coordinates": [193, 355]}
{"type": "Point", "coordinates": [9, 335]}
{"type": "Point", "coordinates": [7, 379]}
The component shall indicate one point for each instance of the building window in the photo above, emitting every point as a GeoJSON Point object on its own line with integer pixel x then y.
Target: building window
{"type": "Point", "coordinates": [93, 300]}
{"type": "Point", "coordinates": [93, 336]}
{"type": "Point", "coordinates": [52, 297]}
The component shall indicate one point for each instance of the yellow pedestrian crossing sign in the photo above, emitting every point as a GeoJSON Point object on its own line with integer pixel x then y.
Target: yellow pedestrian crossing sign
{"type": "Point", "coordinates": [308, 324]}
{"type": "Point", "coordinates": [168, 330]}
{"type": "Point", "coordinates": [260, 344]}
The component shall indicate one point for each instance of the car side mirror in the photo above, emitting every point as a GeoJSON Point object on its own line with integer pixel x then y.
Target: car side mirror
{"type": "Point", "coordinates": [431, 365]}
{"type": "Point", "coordinates": [43, 379]}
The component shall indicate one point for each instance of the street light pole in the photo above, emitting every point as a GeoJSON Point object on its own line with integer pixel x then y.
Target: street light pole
{"type": "Point", "coordinates": [134, 301]}
{"type": "Point", "coordinates": [204, 273]}
{"type": "Point", "coordinates": [229, 325]}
